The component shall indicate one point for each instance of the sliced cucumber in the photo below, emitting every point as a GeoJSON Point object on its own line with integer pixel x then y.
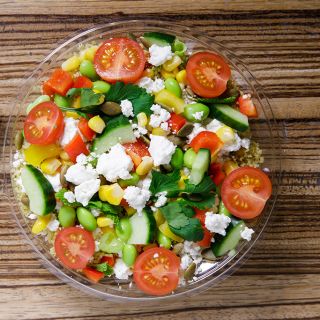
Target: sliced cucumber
{"type": "Point", "coordinates": [39, 190]}
{"type": "Point", "coordinates": [158, 38]}
{"type": "Point", "coordinates": [230, 116]}
{"type": "Point", "coordinates": [143, 226]}
{"type": "Point", "coordinates": [223, 245]}
{"type": "Point", "coordinates": [118, 130]}
{"type": "Point", "coordinates": [200, 166]}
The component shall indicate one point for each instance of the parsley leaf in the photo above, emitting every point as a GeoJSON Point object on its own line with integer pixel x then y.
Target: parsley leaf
{"type": "Point", "coordinates": [105, 268]}
{"type": "Point", "coordinates": [140, 99]}
{"type": "Point", "coordinates": [60, 196]}
{"type": "Point", "coordinates": [229, 100]}
{"type": "Point", "coordinates": [105, 207]}
{"type": "Point", "coordinates": [206, 202]}
{"type": "Point", "coordinates": [205, 186]}
{"type": "Point", "coordinates": [165, 182]}
{"type": "Point", "coordinates": [178, 216]}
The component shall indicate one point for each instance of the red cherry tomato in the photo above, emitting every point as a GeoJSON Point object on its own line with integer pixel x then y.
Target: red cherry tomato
{"type": "Point", "coordinates": [207, 74]}
{"type": "Point", "coordinates": [85, 129]}
{"type": "Point", "coordinates": [60, 82]}
{"type": "Point", "coordinates": [74, 247]}
{"type": "Point", "coordinates": [176, 122]}
{"type": "Point", "coordinates": [245, 191]}
{"type": "Point", "coordinates": [156, 271]}
{"type": "Point", "coordinates": [44, 124]}
{"type": "Point", "coordinates": [206, 140]}
{"type": "Point", "coordinates": [82, 82]}
{"type": "Point", "coordinates": [75, 147]}
{"type": "Point", "coordinates": [137, 150]}
{"type": "Point", "coordinates": [216, 173]}
{"type": "Point", "coordinates": [120, 59]}
{"type": "Point", "coordinates": [247, 107]}
{"type": "Point", "coordinates": [93, 274]}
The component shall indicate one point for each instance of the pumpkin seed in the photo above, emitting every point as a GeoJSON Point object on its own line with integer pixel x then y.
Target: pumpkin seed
{"type": "Point", "coordinates": [18, 140]}
{"type": "Point", "coordinates": [103, 180]}
{"type": "Point", "coordinates": [177, 248]}
{"type": "Point", "coordinates": [189, 272]}
{"type": "Point", "coordinates": [175, 140]}
{"type": "Point", "coordinates": [185, 130]}
{"type": "Point", "coordinates": [63, 180]}
{"type": "Point", "coordinates": [145, 140]}
{"type": "Point", "coordinates": [25, 199]}
{"type": "Point", "coordinates": [208, 254]}
{"type": "Point", "coordinates": [71, 186]}
{"type": "Point", "coordinates": [111, 108]}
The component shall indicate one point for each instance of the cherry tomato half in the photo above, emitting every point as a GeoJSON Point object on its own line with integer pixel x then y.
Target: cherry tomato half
{"type": "Point", "coordinates": [44, 124]}
{"type": "Point", "coordinates": [245, 191]}
{"type": "Point", "coordinates": [206, 140]}
{"type": "Point", "coordinates": [156, 271]}
{"type": "Point", "coordinates": [74, 247]}
{"type": "Point", "coordinates": [120, 59]}
{"type": "Point", "coordinates": [137, 150]}
{"type": "Point", "coordinates": [207, 74]}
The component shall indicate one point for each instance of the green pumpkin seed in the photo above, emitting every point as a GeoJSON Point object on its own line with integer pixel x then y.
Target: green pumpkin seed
{"type": "Point", "coordinates": [185, 130]}
{"type": "Point", "coordinates": [177, 248]}
{"type": "Point", "coordinates": [18, 140]}
{"type": "Point", "coordinates": [25, 200]}
{"type": "Point", "coordinates": [111, 108]}
{"type": "Point", "coordinates": [189, 272]}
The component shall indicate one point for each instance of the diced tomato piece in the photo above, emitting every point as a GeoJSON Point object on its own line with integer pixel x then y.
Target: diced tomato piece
{"type": "Point", "coordinates": [216, 173]}
{"type": "Point", "coordinates": [85, 129]}
{"type": "Point", "coordinates": [206, 241]}
{"type": "Point", "coordinates": [75, 147]}
{"type": "Point", "coordinates": [206, 140]}
{"type": "Point", "coordinates": [136, 151]}
{"type": "Point", "coordinates": [46, 89]}
{"type": "Point", "coordinates": [176, 122]}
{"type": "Point", "coordinates": [60, 82]}
{"type": "Point", "coordinates": [93, 274]}
{"type": "Point", "coordinates": [82, 82]}
{"type": "Point", "coordinates": [109, 260]}
{"type": "Point", "coordinates": [247, 107]}
{"type": "Point", "coordinates": [201, 215]}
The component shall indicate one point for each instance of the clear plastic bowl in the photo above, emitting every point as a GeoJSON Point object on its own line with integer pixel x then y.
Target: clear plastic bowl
{"type": "Point", "coordinates": [264, 130]}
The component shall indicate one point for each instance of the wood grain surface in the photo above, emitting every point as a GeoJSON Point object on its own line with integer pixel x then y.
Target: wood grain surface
{"type": "Point", "coordinates": [280, 43]}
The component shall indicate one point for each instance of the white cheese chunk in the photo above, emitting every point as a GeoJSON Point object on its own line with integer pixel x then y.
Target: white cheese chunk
{"type": "Point", "coordinates": [160, 116]}
{"type": "Point", "coordinates": [126, 108]}
{"type": "Point", "coordinates": [121, 270]}
{"type": "Point", "coordinates": [85, 191]}
{"type": "Point", "coordinates": [247, 233]}
{"type": "Point", "coordinates": [69, 196]}
{"type": "Point", "coordinates": [159, 55]}
{"type": "Point", "coordinates": [55, 181]}
{"type": "Point", "coordinates": [78, 173]}
{"type": "Point", "coordinates": [115, 164]}
{"type": "Point", "coordinates": [70, 130]}
{"type": "Point", "coordinates": [161, 150]}
{"type": "Point", "coordinates": [151, 86]}
{"type": "Point", "coordinates": [162, 199]}
{"type": "Point", "coordinates": [136, 197]}
{"type": "Point", "coordinates": [217, 223]}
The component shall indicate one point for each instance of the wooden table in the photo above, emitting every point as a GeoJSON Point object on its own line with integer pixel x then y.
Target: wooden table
{"type": "Point", "coordinates": [280, 43]}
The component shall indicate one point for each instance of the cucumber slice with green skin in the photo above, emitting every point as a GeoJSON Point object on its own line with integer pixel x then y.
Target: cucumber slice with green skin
{"type": "Point", "coordinates": [158, 38]}
{"type": "Point", "coordinates": [230, 116]}
{"type": "Point", "coordinates": [39, 190]}
{"type": "Point", "coordinates": [223, 245]}
{"type": "Point", "coordinates": [143, 227]}
{"type": "Point", "coordinates": [118, 130]}
{"type": "Point", "coordinates": [224, 210]}
{"type": "Point", "coordinates": [200, 166]}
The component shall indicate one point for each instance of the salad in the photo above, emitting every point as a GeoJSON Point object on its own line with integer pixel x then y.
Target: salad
{"type": "Point", "coordinates": [136, 163]}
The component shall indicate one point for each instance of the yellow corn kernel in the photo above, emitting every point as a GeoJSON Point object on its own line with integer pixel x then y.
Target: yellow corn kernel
{"type": "Point", "coordinates": [229, 166]}
{"type": "Point", "coordinates": [164, 228]}
{"type": "Point", "coordinates": [72, 114]}
{"type": "Point", "coordinates": [40, 224]}
{"type": "Point", "coordinates": [142, 119]}
{"type": "Point", "coordinates": [172, 64]}
{"type": "Point", "coordinates": [159, 132]}
{"type": "Point", "coordinates": [96, 124]}
{"type": "Point", "coordinates": [181, 77]}
{"type": "Point", "coordinates": [226, 134]}
{"type": "Point", "coordinates": [145, 166]}
{"type": "Point", "coordinates": [104, 222]}
{"type": "Point", "coordinates": [64, 156]}
{"type": "Point", "coordinates": [129, 210]}
{"type": "Point", "coordinates": [158, 216]}
{"type": "Point", "coordinates": [170, 101]}
{"type": "Point", "coordinates": [148, 73]}
{"type": "Point", "coordinates": [35, 154]}
{"type": "Point", "coordinates": [107, 229]}
{"type": "Point", "coordinates": [50, 166]}
{"type": "Point", "coordinates": [76, 103]}
{"type": "Point", "coordinates": [68, 163]}
{"type": "Point", "coordinates": [165, 74]}
{"type": "Point", "coordinates": [90, 53]}
{"type": "Point", "coordinates": [112, 193]}
{"type": "Point", "coordinates": [71, 64]}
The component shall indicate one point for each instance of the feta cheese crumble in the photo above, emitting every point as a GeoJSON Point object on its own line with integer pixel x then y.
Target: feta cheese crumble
{"type": "Point", "coordinates": [53, 225]}
{"type": "Point", "coordinates": [161, 150]}
{"type": "Point", "coordinates": [198, 115]}
{"type": "Point", "coordinates": [159, 116]}
{"type": "Point", "coordinates": [70, 130]}
{"type": "Point", "coordinates": [136, 197]}
{"type": "Point", "coordinates": [162, 199]}
{"type": "Point", "coordinates": [138, 130]}
{"type": "Point", "coordinates": [69, 196]}
{"type": "Point", "coordinates": [121, 270]}
{"type": "Point", "coordinates": [151, 86]}
{"type": "Point", "coordinates": [247, 233]}
{"type": "Point", "coordinates": [190, 252]}
{"type": "Point", "coordinates": [85, 191]}
{"type": "Point", "coordinates": [55, 181]}
{"type": "Point", "coordinates": [115, 164]}
{"type": "Point", "coordinates": [126, 108]}
{"type": "Point", "coordinates": [159, 55]}
{"type": "Point", "coordinates": [217, 223]}
{"type": "Point", "coordinates": [79, 173]}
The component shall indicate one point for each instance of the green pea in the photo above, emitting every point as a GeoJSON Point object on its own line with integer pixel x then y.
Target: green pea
{"type": "Point", "coordinates": [172, 85]}
{"type": "Point", "coordinates": [86, 219]}
{"type": "Point", "coordinates": [177, 159]}
{"type": "Point", "coordinates": [189, 158]}
{"type": "Point", "coordinates": [61, 101]}
{"type": "Point", "coordinates": [129, 254]}
{"type": "Point", "coordinates": [123, 229]}
{"type": "Point", "coordinates": [163, 240]}
{"type": "Point", "coordinates": [101, 86]}
{"type": "Point", "coordinates": [129, 182]}
{"type": "Point", "coordinates": [40, 99]}
{"type": "Point", "coordinates": [196, 112]}
{"type": "Point", "coordinates": [110, 243]}
{"type": "Point", "coordinates": [67, 216]}
{"type": "Point", "coordinates": [87, 69]}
